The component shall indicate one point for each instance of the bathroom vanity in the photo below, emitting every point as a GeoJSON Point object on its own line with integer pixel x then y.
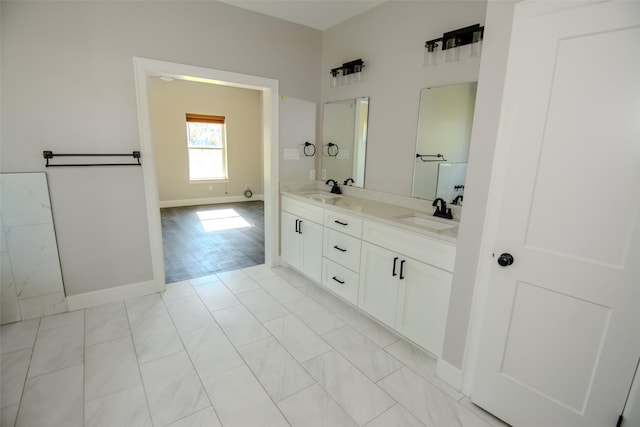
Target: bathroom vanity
{"type": "Point", "coordinates": [393, 263]}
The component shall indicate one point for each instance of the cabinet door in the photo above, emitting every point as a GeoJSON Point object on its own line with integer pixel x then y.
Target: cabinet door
{"type": "Point", "coordinates": [311, 259]}
{"type": "Point", "coordinates": [289, 239]}
{"type": "Point", "coordinates": [378, 290]}
{"type": "Point", "coordinates": [423, 302]}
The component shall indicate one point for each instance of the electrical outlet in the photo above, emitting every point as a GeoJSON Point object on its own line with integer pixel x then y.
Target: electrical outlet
{"type": "Point", "coordinates": [210, 187]}
{"type": "Point", "coordinates": [312, 174]}
{"type": "Point", "coordinates": [324, 174]}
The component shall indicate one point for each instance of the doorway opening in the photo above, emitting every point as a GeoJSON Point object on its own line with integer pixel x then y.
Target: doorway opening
{"type": "Point", "coordinates": [268, 88]}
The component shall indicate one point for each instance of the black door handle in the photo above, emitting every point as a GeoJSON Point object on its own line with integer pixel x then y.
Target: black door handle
{"type": "Point", "coordinates": [300, 227]}
{"type": "Point", "coordinates": [297, 221]}
{"type": "Point", "coordinates": [339, 248]}
{"type": "Point", "coordinates": [505, 259]}
{"type": "Point", "coordinates": [395, 260]}
{"type": "Point", "coordinates": [402, 269]}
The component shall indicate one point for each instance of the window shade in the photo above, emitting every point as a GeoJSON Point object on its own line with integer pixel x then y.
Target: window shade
{"type": "Point", "coordinates": [203, 118]}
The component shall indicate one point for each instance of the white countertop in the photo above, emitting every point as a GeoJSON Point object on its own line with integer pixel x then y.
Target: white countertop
{"type": "Point", "coordinates": [393, 215]}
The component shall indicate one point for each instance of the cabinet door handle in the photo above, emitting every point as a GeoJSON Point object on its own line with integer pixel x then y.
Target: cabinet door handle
{"type": "Point", "coordinates": [402, 269]}
{"type": "Point", "coordinates": [395, 260]}
{"type": "Point", "coordinates": [341, 223]}
{"type": "Point", "coordinates": [339, 248]}
{"type": "Point", "coordinates": [297, 225]}
{"type": "Point", "coordinates": [300, 227]}
{"type": "Point", "coordinates": [338, 280]}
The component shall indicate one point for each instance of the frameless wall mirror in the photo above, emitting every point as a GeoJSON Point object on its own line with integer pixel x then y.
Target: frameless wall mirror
{"type": "Point", "coordinates": [344, 134]}
{"type": "Point", "coordinates": [442, 147]}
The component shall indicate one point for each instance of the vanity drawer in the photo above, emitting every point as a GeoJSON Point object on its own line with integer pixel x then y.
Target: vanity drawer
{"type": "Point", "coordinates": [342, 249]}
{"type": "Point", "coordinates": [340, 280]}
{"type": "Point", "coordinates": [342, 222]}
{"type": "Point", "coordinates": [431, 251]}
{"type": "Point", "coordinates": [302, 209]}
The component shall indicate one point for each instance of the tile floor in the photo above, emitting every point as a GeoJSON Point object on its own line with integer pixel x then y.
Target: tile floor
{"type": "Point", "coordinates": [253, 347]}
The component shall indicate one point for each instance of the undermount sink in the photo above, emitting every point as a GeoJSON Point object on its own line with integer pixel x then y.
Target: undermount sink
{"type": "Point", "coordinates": [425, 222]}
{"type": "Point", "coordinates": [322, 196]}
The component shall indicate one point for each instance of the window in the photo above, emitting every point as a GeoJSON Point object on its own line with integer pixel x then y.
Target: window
{"type": "Point", "coordinates": [207, 147]}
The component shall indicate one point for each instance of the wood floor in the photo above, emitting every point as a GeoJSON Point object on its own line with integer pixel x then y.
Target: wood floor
{"type": "Point", "coordinates": [202, 240]}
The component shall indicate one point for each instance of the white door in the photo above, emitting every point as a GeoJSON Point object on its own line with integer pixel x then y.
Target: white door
{"type": "Point", "coordinates": [290, 239]}
{"type": "Point", "coordinates": [561, 330]}
{"type": "Point", "coordinates": [311, 263]}
{"type": "Point", "coordinates": [378, 290]}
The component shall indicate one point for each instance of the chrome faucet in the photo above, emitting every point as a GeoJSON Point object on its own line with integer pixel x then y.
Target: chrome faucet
{"type": "Point", "coordinates": [336, 188]}
{"type": "Point", "coordinates": [442, 211]}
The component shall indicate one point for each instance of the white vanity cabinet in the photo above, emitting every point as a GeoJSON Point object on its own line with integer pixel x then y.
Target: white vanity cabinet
{"type": "Point", "coordinates": [301, 237]}
{"type": "Point", "coordinates": [341, 252]}
{"type": "Point", "coordinates": [405, 282]}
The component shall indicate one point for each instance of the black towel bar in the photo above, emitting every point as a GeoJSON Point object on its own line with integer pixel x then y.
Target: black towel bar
{"type": "Point", "coordinates": [50, 155]}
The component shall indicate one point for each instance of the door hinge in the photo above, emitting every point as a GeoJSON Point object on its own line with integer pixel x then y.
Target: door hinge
{"type": "Point", "coordinates": [619, 423]}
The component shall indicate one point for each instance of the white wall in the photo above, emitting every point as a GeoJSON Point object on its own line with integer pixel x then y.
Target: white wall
{"type": "Point", "coordinates": [68, 86]}
{"type": "Point", "coordinates": [390, 39]}
{"type": "Point", "coordinates": [169, 102]}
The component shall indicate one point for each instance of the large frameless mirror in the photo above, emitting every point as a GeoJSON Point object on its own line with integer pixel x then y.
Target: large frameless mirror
{"type": "Point", "coordinates": [445, 120]}
{"type": "Point", "coordinates": [344, 134]}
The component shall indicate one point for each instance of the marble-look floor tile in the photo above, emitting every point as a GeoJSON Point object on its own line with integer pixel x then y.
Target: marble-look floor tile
{"type": "Point", "coordinates": [421, 363]}
{"type": "Point", "coordinates": [142, 308]}
{"type": "Point", "coordinates": [126, 407]}
{"type": "Point", "coordinates": [109, 367]}
{"type": "Point", "coordinates": [204, 418]}
{"type": "Point", "coordinates": [211, 352]}
{"type": "Point", "coordinates": [363, 353]}
{"type": "Point", "coordinates": [189, 313]}
{"type": "Point", "coordinates": [18, 336]}
{"type": "Point", "coordinates": [326, 299]}
{"type": "Point", "coordinates": [216, 296]}
{"type": "Point", "coordinates": [155, 337]}
{"type": "Point", "coordinates": [427, 402]}
{"type": "Point", "coordinates": [57, 348]}
{"type": "Point", "coordinates": [105, 323]}
{"type": "Point", "coordinates": [367, 327]}
{"type": "Point", "coordinates": [260, 271]}
{"type": "Point", "coordinates": [9, 308]}
{"type": "Point", "coordinates": [262, 305]}
{"type": "Point", "coordinates": [292, 276]}
{"type": "Point", "coordinates": [43, 305]}
{"type": "Point", "coordinates": [8, 415]}
{"type": "Point", "coordinates": [177, 290]}
{"type": "Point", "coordinates": [199, 281]}
{"type": "Point", "coordinates": [240, 325]}
{"type": "Point", "coordinates": [238, 281]}
{"type": "Point", "coordinates": [53, 399]}
{"type": "Point", "coordinates": [13, 373]}
{"type": "Point", "coordinates": [230, 394]}
{"type": "Point", "coordinates": [279, 373]}
{"type": "Point", "coordinates": [314, 315]}
{"type": "Point", "coordinates": [360, 398]}
{"type": "Point", "coordinates": [173, 388]}
{"type": "Point", "coordinates": [488, 417]}
{"type": "Point", "coordinates": [280, 289]}
{"type": "Point", "coordinates": [297, 338]}
{"type": "Point", "coordinates": [313, 407]}
{"type": "Point", "coordinates": [62, 319]}
{"type": "Point", "coordinates": [396, 416]}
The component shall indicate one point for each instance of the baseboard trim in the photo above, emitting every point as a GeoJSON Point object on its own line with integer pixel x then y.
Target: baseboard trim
{"type": "Point", "coordinates": [449, 374]}
{"type": "Point", "coordinates": [208, 201]}
{"type": "Point", "coordinates": [105, 296]}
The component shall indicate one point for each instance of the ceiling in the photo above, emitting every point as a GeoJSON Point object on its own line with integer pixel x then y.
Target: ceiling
{"type": "Point", "coordinates": [318, 14]}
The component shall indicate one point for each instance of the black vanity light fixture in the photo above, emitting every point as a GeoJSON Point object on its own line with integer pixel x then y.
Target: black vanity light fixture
{"type": "Point", "coordinates": [350, 72]}
{"type": "Point", "coordinates": [450, 43]}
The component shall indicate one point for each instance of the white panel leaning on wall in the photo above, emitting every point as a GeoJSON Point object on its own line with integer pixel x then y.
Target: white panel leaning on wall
{"type": "Point", "coordinates": [31, 279]}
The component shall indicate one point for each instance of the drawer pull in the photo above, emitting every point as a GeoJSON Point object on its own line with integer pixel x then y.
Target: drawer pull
{"type": "Point", "coordinates": [395, 260]}
{"type": "Point", "coordinates": [341, 223]}
{"type": "Point", "coordinates": [339, 248]}
{"type": "Point", "coordinates": [338, 280]}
